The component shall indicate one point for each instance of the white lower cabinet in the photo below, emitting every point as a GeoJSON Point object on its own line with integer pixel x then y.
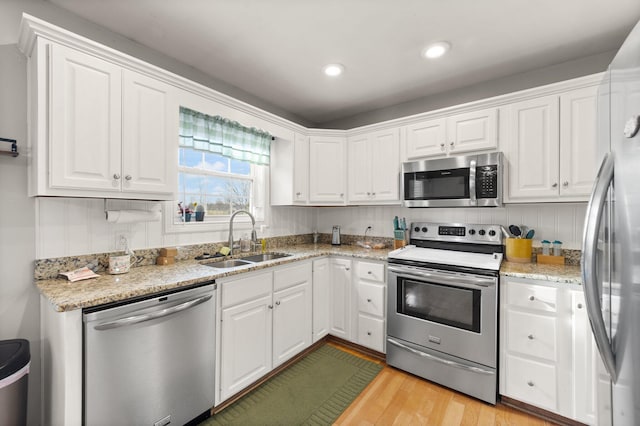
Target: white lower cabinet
{"type": "Point", "coordinates": [265, 319]}
{"type": "Point", "coordinates": [547, 355]}
{"type": "Point", "coordinates": [340, 298]}
{"type": "Point", "coordinates": [321, 294]}
{"type": "Point", "coordinates": [370, 294]}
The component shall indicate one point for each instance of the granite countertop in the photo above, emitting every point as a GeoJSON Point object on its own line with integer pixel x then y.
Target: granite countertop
{"type": "Point", "coordinates": [146, 280]}
{"type": "Point", "coordinates": [538, 271]}
{"type": "Point", "coordinates": [152, 279]}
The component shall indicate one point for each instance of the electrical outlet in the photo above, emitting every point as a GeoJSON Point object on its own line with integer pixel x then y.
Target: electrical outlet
{"type": "Point", "coordinates": [122, 241]}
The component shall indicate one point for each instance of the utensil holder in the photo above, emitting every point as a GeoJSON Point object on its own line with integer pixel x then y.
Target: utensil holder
{"type": "Point", "coordinates": [399, 239]}
{"type": "Point", "coordinates": [518, 250]}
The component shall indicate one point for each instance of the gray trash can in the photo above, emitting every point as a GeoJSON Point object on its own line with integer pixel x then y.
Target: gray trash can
{"type": "Point", "coordinates": [15, 359]}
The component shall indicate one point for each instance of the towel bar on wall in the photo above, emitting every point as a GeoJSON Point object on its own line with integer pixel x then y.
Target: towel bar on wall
{"type": "Point", "coordinates": [14, 147]}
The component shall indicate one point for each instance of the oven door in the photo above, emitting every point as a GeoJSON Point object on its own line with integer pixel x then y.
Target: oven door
{"type": "Point", "coordinates": [450, 312]}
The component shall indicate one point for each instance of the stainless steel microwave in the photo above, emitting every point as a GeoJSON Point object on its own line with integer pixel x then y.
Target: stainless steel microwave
{"type": "Point", "coordinates": [464, 181]}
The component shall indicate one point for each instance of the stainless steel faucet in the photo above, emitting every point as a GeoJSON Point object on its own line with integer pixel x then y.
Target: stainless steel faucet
{"type": "Point", "coordinates": [254, 235]}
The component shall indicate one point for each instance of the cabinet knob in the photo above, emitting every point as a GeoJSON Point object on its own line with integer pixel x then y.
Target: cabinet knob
{"type": "Point", "coordinates": [532, 298]}
{"type": "Point", "coordinates": [373, 193]}
{"type": "Point", "coordinates": [579, 305]}
{"type": "Point", "coordinates": [530, 337]}
{"type": "Point", "coordinates": [127, 177]}
{"type": "Point", "coordinates": [530, 383]}
{"type": "Point", "coordinates": [369, 272]}
{"type": "Point", "coordinates": [278, 303]}
{"type": "Point", "coordinates": [116, 176]}
{"type": "Point", "coordinates": [565, 183]}
{"type": "Point", "coordinates": [368, 333]}
{"type": "Point", "coordinates": [451, 144]}
{"type": "Point", "coordinates": [298, 194]}
{"type": "Point", "coordinates": [341, 194]}
{"type": "Point", "coordinates": [368, 193]}
{"type": "Point", "coordinates": [346, 268]}
{"type": "Point", "coordinates": [442, 145]}
{"type": "Point", "coordinates": [369, 300]}
{"type": "Point", "coordinates": [555, 185]}
{"type": "Point", "coordinates": [270, 306]}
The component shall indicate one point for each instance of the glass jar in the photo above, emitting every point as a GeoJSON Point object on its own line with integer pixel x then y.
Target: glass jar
{"type": "Point", "coordinates": [245, 243]}
{"type": "Point", "coordinates": [557, 248]}
{"type": "Point", "coordinates": [546, 245]}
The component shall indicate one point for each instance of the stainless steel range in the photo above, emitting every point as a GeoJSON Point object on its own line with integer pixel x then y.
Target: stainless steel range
{"type": "Point", "coordinates": [443, 306]}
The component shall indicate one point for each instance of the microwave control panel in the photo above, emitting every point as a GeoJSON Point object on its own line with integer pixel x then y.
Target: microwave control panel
{"type": "Point", "coordinates": [487, 181]}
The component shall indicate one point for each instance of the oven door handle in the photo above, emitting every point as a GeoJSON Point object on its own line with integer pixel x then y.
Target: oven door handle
{"type": "Point", "coordinates": [441, 360]}
{"type": "Point", "coordinates": [460, 281]}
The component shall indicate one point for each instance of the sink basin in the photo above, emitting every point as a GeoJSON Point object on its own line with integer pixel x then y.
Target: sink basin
{"type": "Point", "coordinates": [265, 256]}
{"type": "Point", "coordinates": [232, 263]}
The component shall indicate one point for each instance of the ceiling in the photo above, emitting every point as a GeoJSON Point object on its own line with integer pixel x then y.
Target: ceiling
{"type": "Point", "coordinates": [275, 50]}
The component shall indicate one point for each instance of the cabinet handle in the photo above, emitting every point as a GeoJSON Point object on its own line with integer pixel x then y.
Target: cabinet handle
{"type": "Point", "coordinates": [368, 333]}
{"type": "Point", "coordinates": [278, 303]}
{"type": "Point", "coordinates": [555, 185]}
{"type": "Point", "coordinates": [579, 305]}
{"type": "Point", "coordinates": [530, 383]}
{"type": "Point", "coordinates": [116, 176]}
{"type": "Point", "coordinates": [532, 298]}
{"type": "Point", "coordinates": [565, 183]}
{"type": "Point", "coordinates": [127, 177]}
{"type": "Point", "coordinates": [270, 306]}
{"type": "Point", "coordinates": [531, 337]}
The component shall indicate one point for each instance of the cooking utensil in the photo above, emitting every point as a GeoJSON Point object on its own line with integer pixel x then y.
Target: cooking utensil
{"type": "Point", "coordinates": [515, 231]}
{"type": "Point", "coordinates": [505, 232]}
{"type": "Point", "coordinates": [530, 234]}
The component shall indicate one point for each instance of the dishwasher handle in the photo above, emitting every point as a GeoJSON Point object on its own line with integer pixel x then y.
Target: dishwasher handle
{"type": "Point", "coordinates": [122, 322]}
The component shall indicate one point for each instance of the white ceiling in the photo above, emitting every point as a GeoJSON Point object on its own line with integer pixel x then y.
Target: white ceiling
{"type": "Point", "coordinates": [275, 49]}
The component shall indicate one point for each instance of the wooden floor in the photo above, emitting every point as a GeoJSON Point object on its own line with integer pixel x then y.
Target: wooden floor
{"type": "Point", "coordinates": [398, 398]}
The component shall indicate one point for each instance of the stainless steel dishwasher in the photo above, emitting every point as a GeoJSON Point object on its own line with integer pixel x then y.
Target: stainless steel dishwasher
{"type": "Point", "coordinates": [151, 361]}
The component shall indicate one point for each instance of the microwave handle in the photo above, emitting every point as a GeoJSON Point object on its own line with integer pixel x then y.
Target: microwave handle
{"type": "Point", "coordinates": [472, 183]}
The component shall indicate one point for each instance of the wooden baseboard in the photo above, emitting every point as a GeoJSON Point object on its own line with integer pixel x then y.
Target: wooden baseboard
{"type": "Point", "coordinates": [538, 412]}
{"type": "Point", "coordinates": [364, 350]}
{"type": "Point", "coordinates": [260, 381]}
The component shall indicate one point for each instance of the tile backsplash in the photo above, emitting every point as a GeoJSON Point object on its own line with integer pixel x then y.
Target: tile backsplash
{"type": "Point", "coordinates": [77, 226]}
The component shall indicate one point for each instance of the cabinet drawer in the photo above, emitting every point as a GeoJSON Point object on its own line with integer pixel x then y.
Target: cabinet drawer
{"type": "Point", "coordinates": [531, 334]}
{"type": "Point", "coordinates": [289, 276]}
{"type": "Point", "coordinates": [370, 271]}
{"type": "Point", "coordinates": [371, 298]}
{"type": "Point", "coordinates": [371, 332]}
{"type": "Point", "coordinates": [532, 296]}
{"type": "Point", "coordinates": [244, 289]}
{"type": "Point", "coordinates": [531, 382]}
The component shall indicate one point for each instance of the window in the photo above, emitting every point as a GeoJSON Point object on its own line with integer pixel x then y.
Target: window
{"type": "Point", "coordinates": [222, 168]}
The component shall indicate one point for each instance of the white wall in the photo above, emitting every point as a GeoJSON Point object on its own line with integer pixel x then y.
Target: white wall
{"type": "Point", "coordinates": [19, 299]}
{"type": "Point", "coordinates": [551, 221]}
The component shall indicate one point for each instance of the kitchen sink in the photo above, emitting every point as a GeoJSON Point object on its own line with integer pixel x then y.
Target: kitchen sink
{"type": "Point", "coordinates": [224, 264]}
{"type": "Point", "coordinates": [265, 256]}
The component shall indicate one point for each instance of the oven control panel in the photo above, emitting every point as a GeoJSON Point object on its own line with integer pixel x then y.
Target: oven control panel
{"type": "Point", "coordinates": [468, 233]}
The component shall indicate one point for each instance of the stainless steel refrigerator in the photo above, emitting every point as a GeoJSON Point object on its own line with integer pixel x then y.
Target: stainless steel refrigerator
{"type": "Point", "coordinates": [611, 247]}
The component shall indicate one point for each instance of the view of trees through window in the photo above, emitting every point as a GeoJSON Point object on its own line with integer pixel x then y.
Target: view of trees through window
{"type": "Point", "coordinates": [219, 184]}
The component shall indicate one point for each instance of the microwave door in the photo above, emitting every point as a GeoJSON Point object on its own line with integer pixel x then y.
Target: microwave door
{"type": "Point", "coordinates": [438, 188]}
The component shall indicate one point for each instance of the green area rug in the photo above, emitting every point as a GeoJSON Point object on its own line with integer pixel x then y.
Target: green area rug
{"type": "Point", "coordinates": [313, 391]}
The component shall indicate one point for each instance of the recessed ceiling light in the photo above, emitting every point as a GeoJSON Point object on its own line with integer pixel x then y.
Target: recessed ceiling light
{"type": "Point", "coordinates": [333, 70]}
{"type": "Point", "coordinates": [435, 50]}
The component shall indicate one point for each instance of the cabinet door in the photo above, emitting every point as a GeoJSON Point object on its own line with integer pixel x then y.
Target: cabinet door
{"type": "Point", "coordinates": [385, 166]}
{"type": "Point", "coordinates": [291, 321]}
{"type": "Point", "coordinates": [359, 160]}
{"type": "Point", "coordinates": [340, 297]}
{"type": "Point", "coordinates": [321, 293]}
{"type": "Point", "coordinates": [532, 147]}
{"type": "Point", "coordinates": [472, 131]}
{"type": "Point", "coordinates": [327, 170]}
{"type": "Point", "coordinates": [245, 344]}
{"type": "Point", "coordinates": [426, 139]}
{"type": "Point", "coordinates": [300, 168]}
{"type": "Point", "coordinates": [584, 362]}
{"type": "Point", "coordinates": [578, 145]}
{"type": "Point", "coordinates": [150, 136]}
{"type": "Point", "coordinates": [85, 122]}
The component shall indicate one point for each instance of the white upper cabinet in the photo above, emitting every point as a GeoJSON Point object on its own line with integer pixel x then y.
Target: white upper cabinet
{"type": "Point", "coordinates": [98, 129]}
{"type": "Point", "coordinates": [150, 135]}
{"type": "Point", "coordinates": [551, 147]}
{"type": "Point", "coordinates": [456, 134]}
{"type": "Point", "coordinates": [374, 168]}
{"type": "Point", "coordinates": [300, 169]}
{"type": "Point", "coordinates": [289, 170]}
{"type": "Point", "coordinates": [85, 125]}
{"type": "Point", "coordinates": [327, 170]}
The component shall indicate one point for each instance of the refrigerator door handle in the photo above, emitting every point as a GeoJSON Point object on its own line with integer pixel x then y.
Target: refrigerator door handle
{"type": "Point", "coordinates": [595, 210]}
